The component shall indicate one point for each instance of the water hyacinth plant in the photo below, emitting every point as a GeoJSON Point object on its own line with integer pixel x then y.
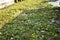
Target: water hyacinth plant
{"type": "Point", "coordinates": [35, 22]}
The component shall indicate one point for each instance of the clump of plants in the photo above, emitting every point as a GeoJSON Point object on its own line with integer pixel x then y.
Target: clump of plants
{"type": "Point", "coordinates": [36, 22]}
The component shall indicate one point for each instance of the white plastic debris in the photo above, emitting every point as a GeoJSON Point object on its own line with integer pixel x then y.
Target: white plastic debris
{"type": "Point", "coordinates": [56, 3]}
{"type": "Point", "coordinates": [5, 3]}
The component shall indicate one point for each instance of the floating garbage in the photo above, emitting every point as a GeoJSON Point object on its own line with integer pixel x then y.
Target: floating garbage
{"type": "Point", "coordinates": [56, 3]}
{"type": "Point", "coordinates": [5, 3]}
